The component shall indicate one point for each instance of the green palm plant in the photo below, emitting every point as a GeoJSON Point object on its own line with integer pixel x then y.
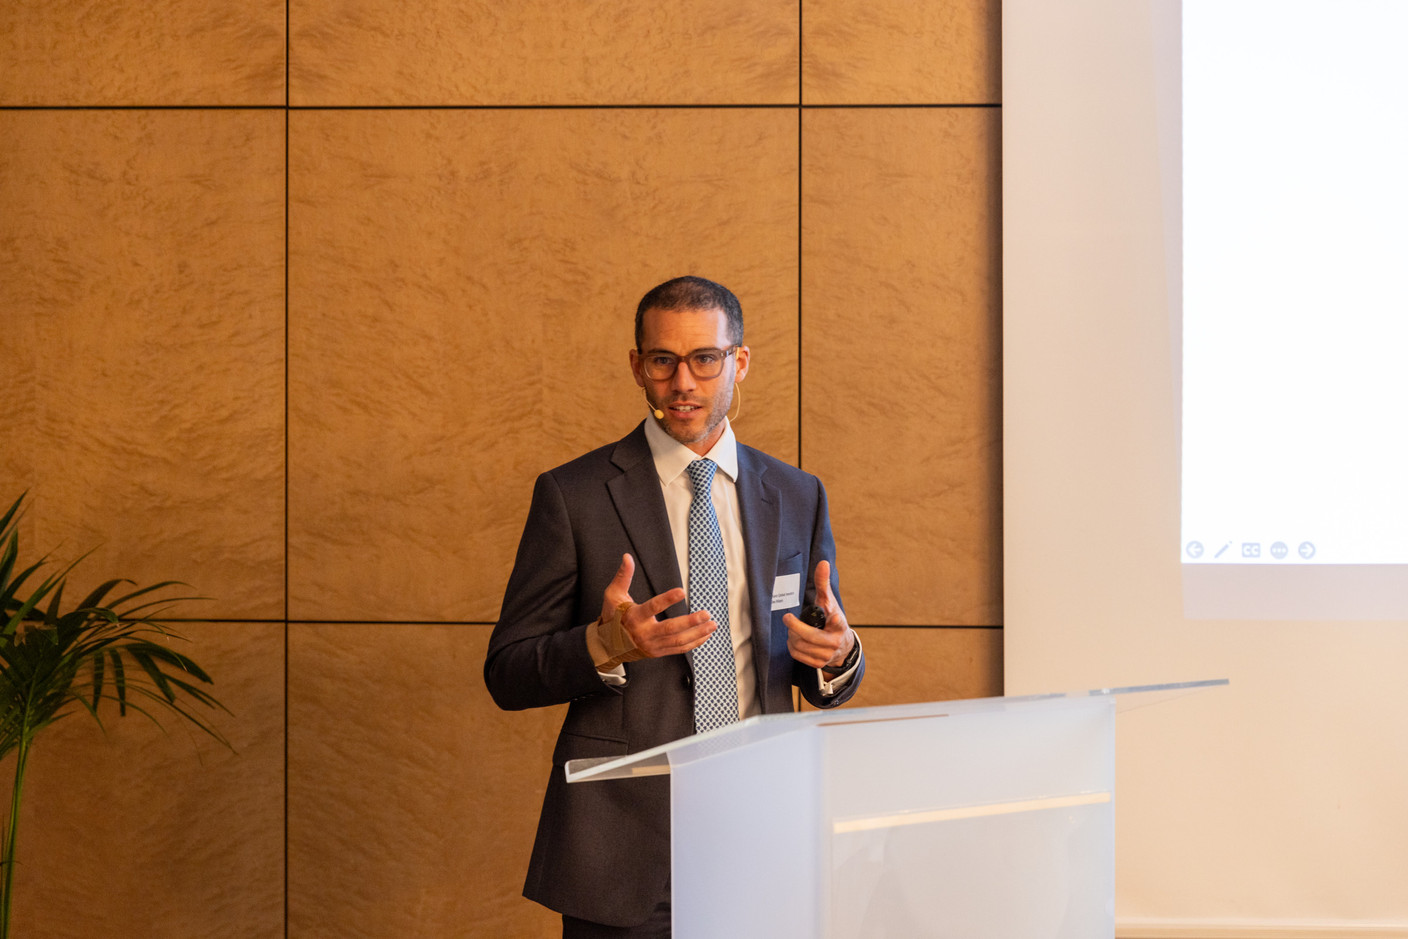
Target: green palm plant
{"type": "Point", "coordinates": [55, 663]}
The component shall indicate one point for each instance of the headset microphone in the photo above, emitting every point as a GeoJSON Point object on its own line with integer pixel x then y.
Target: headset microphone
{"type": "Point", "coordinates": [659, 414]}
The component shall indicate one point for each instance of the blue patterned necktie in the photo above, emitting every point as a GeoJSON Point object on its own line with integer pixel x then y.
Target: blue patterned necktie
{"type": "Point", "coordinates": [715, 681]}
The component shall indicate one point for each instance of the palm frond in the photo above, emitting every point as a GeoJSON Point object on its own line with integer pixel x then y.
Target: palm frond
{"type": "Point", "coordinates": [55, 662]}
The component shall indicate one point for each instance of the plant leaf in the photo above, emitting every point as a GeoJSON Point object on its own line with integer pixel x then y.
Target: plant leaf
{"type": "Point", "coordinates": [98, 671]}
{"type": "Point", "coordinates": [119, 682]}
{"type": "Point", "coordinates": [12, 513]}
{"type": "Point", "coordinates": [96, 597]}
{"type": "Point", "coordinates": [154, 673]}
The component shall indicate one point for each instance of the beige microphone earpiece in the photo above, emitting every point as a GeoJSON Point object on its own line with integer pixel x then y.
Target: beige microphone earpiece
{"type": "Point", "coordinates": [659, 414]}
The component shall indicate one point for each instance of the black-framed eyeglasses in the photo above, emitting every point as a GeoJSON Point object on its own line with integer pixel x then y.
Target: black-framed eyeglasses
{"type": "Point", "coordinates": [703, 363]}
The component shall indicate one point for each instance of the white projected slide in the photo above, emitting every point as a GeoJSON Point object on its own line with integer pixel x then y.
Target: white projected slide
{"type": "Point", "coordinates": [1295, 299]}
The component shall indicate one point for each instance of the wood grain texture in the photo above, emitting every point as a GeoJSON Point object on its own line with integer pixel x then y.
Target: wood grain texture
{"type": "Point", "coordinates": [500, 52]}
{"type": "Point", "coordinates": [141, 279]}
{"type": "Point", "coordinates": [162, 835]}
{"type": "Point", "coordinates": [154, 52]}
{"type": "Point", "coordinates": [412, 798]}
{"type": "Point", "coordinates": [463, 291]}
{"type": "Point", "coordinates": [900, 52]}
{"type": "Point", "coordinates": [901, 358]}
{"type": "Point", "coordinates": [909, 666]}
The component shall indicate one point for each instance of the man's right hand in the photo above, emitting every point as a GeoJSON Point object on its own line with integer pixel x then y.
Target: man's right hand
{"type": "Point", "coordinates": [652, 636]}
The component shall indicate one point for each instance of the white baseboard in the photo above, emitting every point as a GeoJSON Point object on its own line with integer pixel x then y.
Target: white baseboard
{"type": "Point", "coordinates": [1165, 929]}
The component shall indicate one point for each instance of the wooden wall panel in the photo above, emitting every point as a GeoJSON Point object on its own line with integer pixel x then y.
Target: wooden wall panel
{"type": "Point", "coordinates": [141, 52]}
{"type": "Point", "coordinates": [908, 666]}
{"type": "Point", "coordinates": [463, 290]}
{"type": "Point", "coordinates": [412, 798]}
{"type": "Point", "coordinates": [535, 52]}
{"type": "Point", "coordinates": [141, 279]}
{"type": "Point", "coordinates": [900, 52]}
{"type": "Point", "coordinates": [900, 346]}
{"type": "Point", "coordinates": [162, 835]}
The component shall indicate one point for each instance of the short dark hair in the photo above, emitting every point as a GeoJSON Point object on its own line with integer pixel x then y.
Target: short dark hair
{"type": "Point", "coordinates": [693, 293]}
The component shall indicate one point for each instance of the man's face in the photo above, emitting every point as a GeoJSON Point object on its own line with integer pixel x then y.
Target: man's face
{"type": "Point", "coordinates": [694, 407]}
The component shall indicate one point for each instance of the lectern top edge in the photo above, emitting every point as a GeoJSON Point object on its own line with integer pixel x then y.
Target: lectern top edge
{"type": "Point", "coordinates": [657, 760]}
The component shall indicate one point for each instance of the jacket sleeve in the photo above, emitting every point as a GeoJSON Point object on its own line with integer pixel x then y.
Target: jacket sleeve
{"type": "Point", "coordinates": [823, 548]}
{"type": "Point", "coordinates": [538, 651]}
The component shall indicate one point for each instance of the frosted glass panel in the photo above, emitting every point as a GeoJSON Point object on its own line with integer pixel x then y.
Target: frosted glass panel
{"type": "Point", "coordinates": [1035, 873]}
{"type": "Point", "coordinates": [981, 825]}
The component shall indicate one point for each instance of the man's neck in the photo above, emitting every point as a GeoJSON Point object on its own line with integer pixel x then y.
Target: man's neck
{"type": "Point", "coordinates": [667, 450]}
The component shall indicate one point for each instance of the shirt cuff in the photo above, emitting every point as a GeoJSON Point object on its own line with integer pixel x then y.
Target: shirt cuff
{"type": "Point", "coordinates": [615, 676]}
{"type": "Point", "coordinates": [836, 685]}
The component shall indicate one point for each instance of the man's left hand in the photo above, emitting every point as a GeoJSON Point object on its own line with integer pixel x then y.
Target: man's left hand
{"type": "Point", "coordinates": [828, 646]}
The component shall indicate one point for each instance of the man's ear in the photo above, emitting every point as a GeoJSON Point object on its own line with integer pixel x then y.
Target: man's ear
{"type": "Point", "coordinates": [741, 358]}
{"type": "Point", "coordinates": [636, 369]}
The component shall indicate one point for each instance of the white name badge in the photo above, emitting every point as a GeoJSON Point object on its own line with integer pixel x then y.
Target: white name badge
{"type": "Point", "coordinates": [787, 592]}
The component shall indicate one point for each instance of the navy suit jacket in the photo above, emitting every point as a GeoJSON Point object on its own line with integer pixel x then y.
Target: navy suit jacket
{"type": "Point", "coordinates": [602, 849]}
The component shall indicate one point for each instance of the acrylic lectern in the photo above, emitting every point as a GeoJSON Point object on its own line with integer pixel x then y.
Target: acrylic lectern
{"type": "Point", "coordinates": [983, 819]}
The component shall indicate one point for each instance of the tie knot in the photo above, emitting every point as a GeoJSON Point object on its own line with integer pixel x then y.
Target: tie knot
{"type": "Point", "coordinates": [701, 473]}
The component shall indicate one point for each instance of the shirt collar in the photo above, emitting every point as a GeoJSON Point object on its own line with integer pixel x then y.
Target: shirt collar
{"type": "Point", "coordinates": [671, 456]}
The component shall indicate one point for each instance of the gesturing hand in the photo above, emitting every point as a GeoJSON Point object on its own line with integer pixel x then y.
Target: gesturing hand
{"type": "Point", "coordinates": [650, 636]}
{"type": "Point", "coordinates": [821, 648]}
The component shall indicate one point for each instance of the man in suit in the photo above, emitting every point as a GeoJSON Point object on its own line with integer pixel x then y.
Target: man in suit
{"type": "Point", "coordinates": [596, 613]}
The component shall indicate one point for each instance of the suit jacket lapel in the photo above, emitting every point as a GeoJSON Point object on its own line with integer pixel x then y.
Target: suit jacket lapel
{"type": "Point", "coordinates": [759, 505]}
{"type": "Point", "coordinates": [641, 508]}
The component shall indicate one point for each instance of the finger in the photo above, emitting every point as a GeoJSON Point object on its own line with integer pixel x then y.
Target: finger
{"type": "Point", "coordinates": [675, 635]}
{"type": "Point", "coordinates": [657, 604]}
{"type": "Point", "coordinates": [798, 628]}
{"type": "Point", "coordinates": [801, 637]}
{"type": "Point", "coordinates": [690, 631]}
{"type": "Point", "coordinates": [835, 623]}
{"type": "Point", "coordinates": [822, 577]}
{"type": "Point", "coordinates": [815, 640]}
{"type": "Point", "coordinates": [812, 646]}
{"type": "Point", "coordinates": [619, 589]}
{"type": "Point", "coordinates": [808, 652]}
